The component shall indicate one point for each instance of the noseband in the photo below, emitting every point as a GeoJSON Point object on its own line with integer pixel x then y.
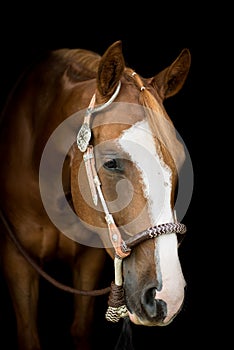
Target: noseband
{"type": "Point", "coordinates": [122, 248]}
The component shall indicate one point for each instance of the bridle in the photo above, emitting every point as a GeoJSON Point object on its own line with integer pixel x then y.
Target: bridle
{"type": "Point", "coordinates": [122, 248]}
{"type": "Point", "coordinates": [117, 308]}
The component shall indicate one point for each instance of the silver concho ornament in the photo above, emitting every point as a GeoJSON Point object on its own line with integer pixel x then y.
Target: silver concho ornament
{"type": "Point", "coordinates": [83, 137]}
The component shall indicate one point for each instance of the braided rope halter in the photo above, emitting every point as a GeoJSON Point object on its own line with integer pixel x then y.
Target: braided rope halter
{"type": "Point", "coordinates": [116, 303]}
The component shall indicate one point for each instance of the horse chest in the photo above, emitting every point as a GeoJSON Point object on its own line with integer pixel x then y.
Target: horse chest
{"type": "Point", "coordinates": [56, 245]}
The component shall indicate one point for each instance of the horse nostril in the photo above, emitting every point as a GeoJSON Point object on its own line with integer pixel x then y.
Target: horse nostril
{"type": "Point", "coordinates": [154, 308]}
{"type": "Point", "coordinates": [149, 302]}
{"type": "Point", "coordinates": [161, 309]}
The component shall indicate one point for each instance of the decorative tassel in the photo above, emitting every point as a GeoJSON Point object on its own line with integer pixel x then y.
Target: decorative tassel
{"type": "Point", "coordinates": [117, 308]}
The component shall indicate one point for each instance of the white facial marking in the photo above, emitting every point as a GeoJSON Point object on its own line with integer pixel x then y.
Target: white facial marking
{"type": "Point", "coordinates": [172, 279]}
{"type": "Point", "coordinates": [138, 142]}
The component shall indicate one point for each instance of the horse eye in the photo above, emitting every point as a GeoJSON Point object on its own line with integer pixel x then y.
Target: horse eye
{"type": "Point", "coordinates": [111, 164]}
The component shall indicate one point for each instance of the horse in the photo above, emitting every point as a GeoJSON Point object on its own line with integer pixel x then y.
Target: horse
{"type": "Point", "coordinates": [90, 162]}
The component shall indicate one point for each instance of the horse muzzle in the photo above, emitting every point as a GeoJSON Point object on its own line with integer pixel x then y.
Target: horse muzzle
{"type": "Point", "coordinates": [154, 311]}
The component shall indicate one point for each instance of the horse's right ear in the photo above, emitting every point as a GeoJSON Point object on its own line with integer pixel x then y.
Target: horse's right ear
{"type": "Point", "coordinates": [110, 69]}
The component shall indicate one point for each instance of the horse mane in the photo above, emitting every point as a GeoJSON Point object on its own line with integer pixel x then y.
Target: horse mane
{"type": "Point", "coordinates": [82, 64]}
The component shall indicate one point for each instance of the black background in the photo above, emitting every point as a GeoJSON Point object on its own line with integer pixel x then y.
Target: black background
{"type": "Point", "coordinates": [152, 37]}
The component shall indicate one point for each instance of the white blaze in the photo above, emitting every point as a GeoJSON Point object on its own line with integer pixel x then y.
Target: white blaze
{"type": "Point", "coordinates": [138, 142]}
{"type": "Point", "coordinates": [172, 278]}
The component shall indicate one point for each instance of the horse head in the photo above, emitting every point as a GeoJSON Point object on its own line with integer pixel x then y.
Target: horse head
{"type": "Point", "coordinates": [126, 182]}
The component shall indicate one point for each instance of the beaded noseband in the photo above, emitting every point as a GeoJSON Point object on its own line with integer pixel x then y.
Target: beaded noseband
{"type": "Point", "coordinates": [117, 307]}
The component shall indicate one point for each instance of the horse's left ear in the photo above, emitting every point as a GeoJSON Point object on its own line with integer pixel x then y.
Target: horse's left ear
{"type": "Point", "coordinates": [110, 69]}
{"type": "Point", "coordinates": [169, 81]}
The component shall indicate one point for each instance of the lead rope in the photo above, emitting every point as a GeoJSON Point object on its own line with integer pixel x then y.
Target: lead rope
{"type": "Point", "coordinates": [41, 272]}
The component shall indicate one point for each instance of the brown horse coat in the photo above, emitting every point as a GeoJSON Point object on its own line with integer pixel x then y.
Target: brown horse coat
{"type": "Point", "coordinates": [48, 93]}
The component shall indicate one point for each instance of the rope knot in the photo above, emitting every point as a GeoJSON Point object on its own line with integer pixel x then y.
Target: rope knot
{"type": "Point", "coordinates": [117, 308]}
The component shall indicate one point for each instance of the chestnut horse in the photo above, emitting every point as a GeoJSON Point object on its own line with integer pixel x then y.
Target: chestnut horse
{"type": "Point", "coordinates": [90, 162]}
